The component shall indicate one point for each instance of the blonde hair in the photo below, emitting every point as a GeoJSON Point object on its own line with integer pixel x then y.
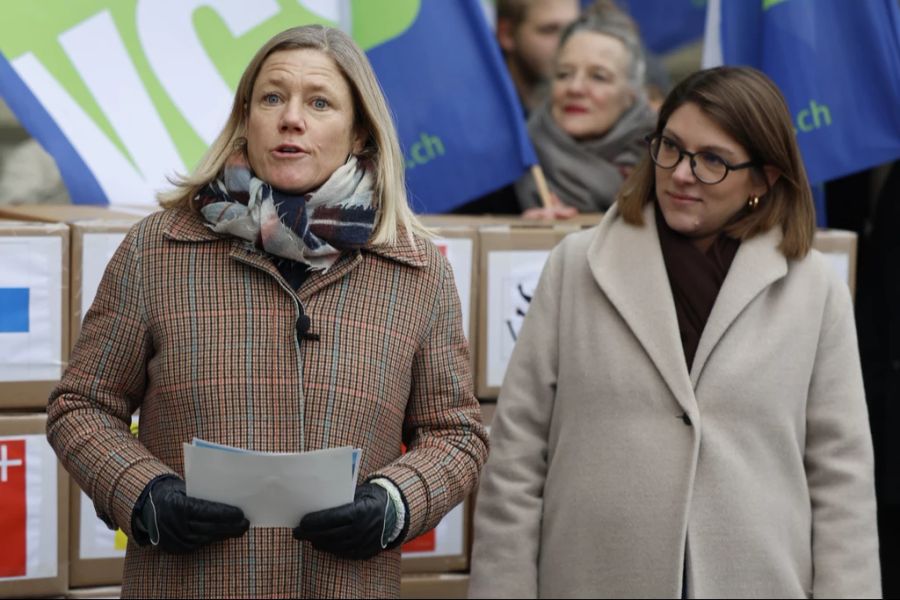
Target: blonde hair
{"type": "Point", "coordinates": [748, 106]}
{"type": "Point", "coordinates": [372, 115]}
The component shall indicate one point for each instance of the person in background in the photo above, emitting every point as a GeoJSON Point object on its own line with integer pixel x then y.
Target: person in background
{"type": "Point", "coordinates": [528, 33]}
{"type": "Point", "coordinates": [286, 300]}
{"type": "Point", "coordinates": [683, 414]}
{"type": "Point", "coordinates": [588, 134]}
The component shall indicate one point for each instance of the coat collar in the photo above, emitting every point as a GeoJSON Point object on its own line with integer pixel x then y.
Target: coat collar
{"type": "Point", "coordinates": [627, 263]}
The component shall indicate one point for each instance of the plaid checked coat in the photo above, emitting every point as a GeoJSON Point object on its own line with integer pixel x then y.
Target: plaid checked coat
{"type": "Point", "coordinates": [198, 331]}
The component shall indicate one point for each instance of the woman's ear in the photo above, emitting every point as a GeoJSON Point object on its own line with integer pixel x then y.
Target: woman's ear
{"type": "Point", "coordinates": [770, 175]}
{"type": "Point", "coordinates": [359, 142]}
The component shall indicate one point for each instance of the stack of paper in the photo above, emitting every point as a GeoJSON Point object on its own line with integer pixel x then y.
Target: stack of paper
{"type": "Point", "coordinates": [273, 489]}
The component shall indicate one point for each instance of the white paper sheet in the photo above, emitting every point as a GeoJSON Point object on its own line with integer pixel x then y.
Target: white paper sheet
{"type": "Point", "coordinates": [273, 489]}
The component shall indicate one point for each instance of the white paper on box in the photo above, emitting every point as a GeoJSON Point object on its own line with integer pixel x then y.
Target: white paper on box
{"type": "Point", "coordinates": [33, 351]}
{"type": "Point", "coordinates": [459, 253]}
{"type": "Point", "coordinates": [97, 250]}
{"type": "Point", "coordinates": [448, 538]}
{"type": "Point", "coordinates": [95, 539]}
{"type": "Point", "coordinates": [41, 533]}
{"type": "Point", "coordinates": [512, 278]}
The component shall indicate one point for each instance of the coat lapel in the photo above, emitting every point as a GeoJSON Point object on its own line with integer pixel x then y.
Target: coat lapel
{"type": "Point", "coordinates": [757, 264]}
{"type": "Point", "coordinates": [628, 265]}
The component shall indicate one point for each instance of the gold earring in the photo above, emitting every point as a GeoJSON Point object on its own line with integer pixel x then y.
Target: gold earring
{"type": "Point", "coordinates": [753, 202]}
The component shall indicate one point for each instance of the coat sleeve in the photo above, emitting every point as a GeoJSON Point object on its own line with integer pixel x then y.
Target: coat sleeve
{"type": "Point", "coordinates": [839, 461]}
{"type": "Point", "coordinates": [510, 499]}
{"type": "Point", "coordinates": [446, 441]}
{"type": "Point", "coordinates": [89, 412]}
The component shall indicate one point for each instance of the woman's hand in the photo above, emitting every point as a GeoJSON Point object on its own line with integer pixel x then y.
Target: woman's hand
{"type": "Point", "coordinates": [179, 524]}
{"type": "Point", "coordinates": [557, 210]}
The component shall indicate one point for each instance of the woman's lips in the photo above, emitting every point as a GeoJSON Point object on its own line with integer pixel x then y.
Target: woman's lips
{"type": "Point", "coordinates": [574, 110]}
{"type": "Point", "coordinates": [683, 198]}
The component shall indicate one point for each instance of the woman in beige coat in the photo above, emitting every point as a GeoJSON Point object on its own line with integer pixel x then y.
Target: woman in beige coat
{"type": "Point", "coordinates": [683, 415]}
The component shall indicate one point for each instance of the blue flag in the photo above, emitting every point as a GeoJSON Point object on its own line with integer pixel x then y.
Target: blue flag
{"type": "Point", "coordinates": [667, 24]}
{"type": "Point", "coordinates": [126, 93]}
{"type": "Point", "coordinates": [837, 62]}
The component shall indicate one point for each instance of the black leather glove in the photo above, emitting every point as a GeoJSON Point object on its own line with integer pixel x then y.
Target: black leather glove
{"type": "Point", "coordinates": [356, 530]}
{"type": "Point", "coordinates": [179, 524]}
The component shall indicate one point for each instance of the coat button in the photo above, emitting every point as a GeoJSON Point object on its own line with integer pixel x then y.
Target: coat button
{"type": "Point", "coordinates": [685, 419]}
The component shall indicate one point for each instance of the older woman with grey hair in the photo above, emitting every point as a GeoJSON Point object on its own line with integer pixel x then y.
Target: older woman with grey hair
{"type": "Point", "coordinates": [588, 133]}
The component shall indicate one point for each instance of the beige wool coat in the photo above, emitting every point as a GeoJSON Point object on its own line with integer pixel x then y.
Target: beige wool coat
{"type": "Point", "coordinates": [198, 330]}
{"type": "Point", "coordinates": [614, 470]}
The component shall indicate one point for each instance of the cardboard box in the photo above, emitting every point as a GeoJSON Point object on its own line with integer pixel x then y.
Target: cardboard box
{"type": "Point", "coordinates": [444, 548]}
{"type": "Point", "coordinates": [443, 585]}
{"type": "Point", "coordinates": [34, 311]}
{"type": "Point", "coordinates": [839, 247]}
{"type": "Point", "coordinates": [460, 246]}
{"type": "Point", "coordinates": [479, 221]}
{"type": "Point", "coordinates": [34, 495]}
{"type": "Point", "coordinates": [93, 245]}
{"type": "Point", "coordinates": [96, 553]}
{"type": "Point", "coordinates": [113, 591]}
{"type": "Point", "coordinates": [66, 213]}
{"type": "Point", "coordinates": [511, 261]}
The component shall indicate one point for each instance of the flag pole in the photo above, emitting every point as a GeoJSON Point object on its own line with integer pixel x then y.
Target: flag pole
{"type": "Point", "coordinates": [543, 190]}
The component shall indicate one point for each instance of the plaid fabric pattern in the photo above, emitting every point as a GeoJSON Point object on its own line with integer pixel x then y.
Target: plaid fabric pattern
{"type": "Point", "coordinates": [313, 228]}
{"type": "Point", "coordinates": [198, 331]}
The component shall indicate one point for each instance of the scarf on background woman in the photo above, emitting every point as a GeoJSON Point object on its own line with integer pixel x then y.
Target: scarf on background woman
{"type": "Point", "coordinates": [312, 228]}
{"type": "Point", "coordinates": [585, 173]}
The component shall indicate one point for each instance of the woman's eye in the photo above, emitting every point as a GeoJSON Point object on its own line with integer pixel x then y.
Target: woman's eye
{"type": "Point", "coordinates": [668, 144]}
{"type": "Point", "coordinates": [320, 103]}
{"type": "Point", "coordinates": [270, 99]}
{"type": "Point", "coordinates": [560, 75]}
{"type": "Point", "coordinates": [711, 159]}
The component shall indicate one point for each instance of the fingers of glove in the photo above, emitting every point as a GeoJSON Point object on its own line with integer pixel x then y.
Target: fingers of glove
{"type": "Point", "coordinates": [324, 520]}
{"type": "Point", "coordinates": [198, 510]}
{"type": "Point", "coordinates": [219, 531]}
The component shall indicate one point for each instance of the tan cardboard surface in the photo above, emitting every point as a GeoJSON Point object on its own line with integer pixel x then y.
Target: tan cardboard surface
{"type": "Point", "coordinates": [113, 591]}
{"type": "Point", "coordinates": [64, 213]}
{"type": "Point", "coordinates": [468, 232]}
{"type": "Point", "coordinates": [78, 232]}
{"type": "Point", "coordinates": [492, 239]}
{"type": "Point", "coordinates": [843, 242]}
{"type": "Point", "coordinates": [26, 424]}
{"type": "Point", "coordinates": [88, 572]}
{"type": "Point", "coordinates": [27, 395]}
{"type": "Point", "coordinates": [410, 563]}
{"type": "Point", "coordinates": [445, 585]}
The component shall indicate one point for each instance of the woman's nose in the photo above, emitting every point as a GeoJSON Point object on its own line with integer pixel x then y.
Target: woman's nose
{"type": "Point", "coordinates": [575, 84]}
{"type": "Point", "coordinates": [292, 117]}
{"type": "Point", "coordinates": [682, 171]}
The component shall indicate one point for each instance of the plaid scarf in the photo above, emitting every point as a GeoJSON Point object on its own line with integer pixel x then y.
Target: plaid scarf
{"type": "Point", "coordinates": [312, 228]}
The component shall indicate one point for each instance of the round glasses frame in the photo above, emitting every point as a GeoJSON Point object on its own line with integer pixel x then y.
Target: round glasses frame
{"type": "Point", "coordinates": [651, 139]}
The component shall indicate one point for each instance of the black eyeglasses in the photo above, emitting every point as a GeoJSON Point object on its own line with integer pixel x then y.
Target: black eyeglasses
{"type": "Point", "coordinates": [707, 167]}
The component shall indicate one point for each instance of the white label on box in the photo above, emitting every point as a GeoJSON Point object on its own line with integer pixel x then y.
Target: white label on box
{"type": "Point", "coordinates": [448, 538]}
{"type": "Point", "coordinates": [96, 540]}
{"type": "Point", "coordinates": [31, 289]}
{"type": "Point", "coordinates": [28, 508]}
{"type": "Point", "coordinates": [97, 250]}
{"type": "Point", "coordinates": [459, 252]}
{"type": "Point", "coordinates": [512, 278]}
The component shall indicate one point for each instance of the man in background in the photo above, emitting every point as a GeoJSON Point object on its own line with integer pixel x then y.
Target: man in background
{"type": "Point", "coordinates": [528, 33]}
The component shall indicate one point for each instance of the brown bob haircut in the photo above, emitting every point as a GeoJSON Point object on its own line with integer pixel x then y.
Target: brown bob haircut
{"type": "Point", "coordinates": [747, 106]}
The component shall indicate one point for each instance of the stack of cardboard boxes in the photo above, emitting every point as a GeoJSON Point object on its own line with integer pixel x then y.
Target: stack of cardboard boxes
{"type": "Point", "coordinates": [51, 262]}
